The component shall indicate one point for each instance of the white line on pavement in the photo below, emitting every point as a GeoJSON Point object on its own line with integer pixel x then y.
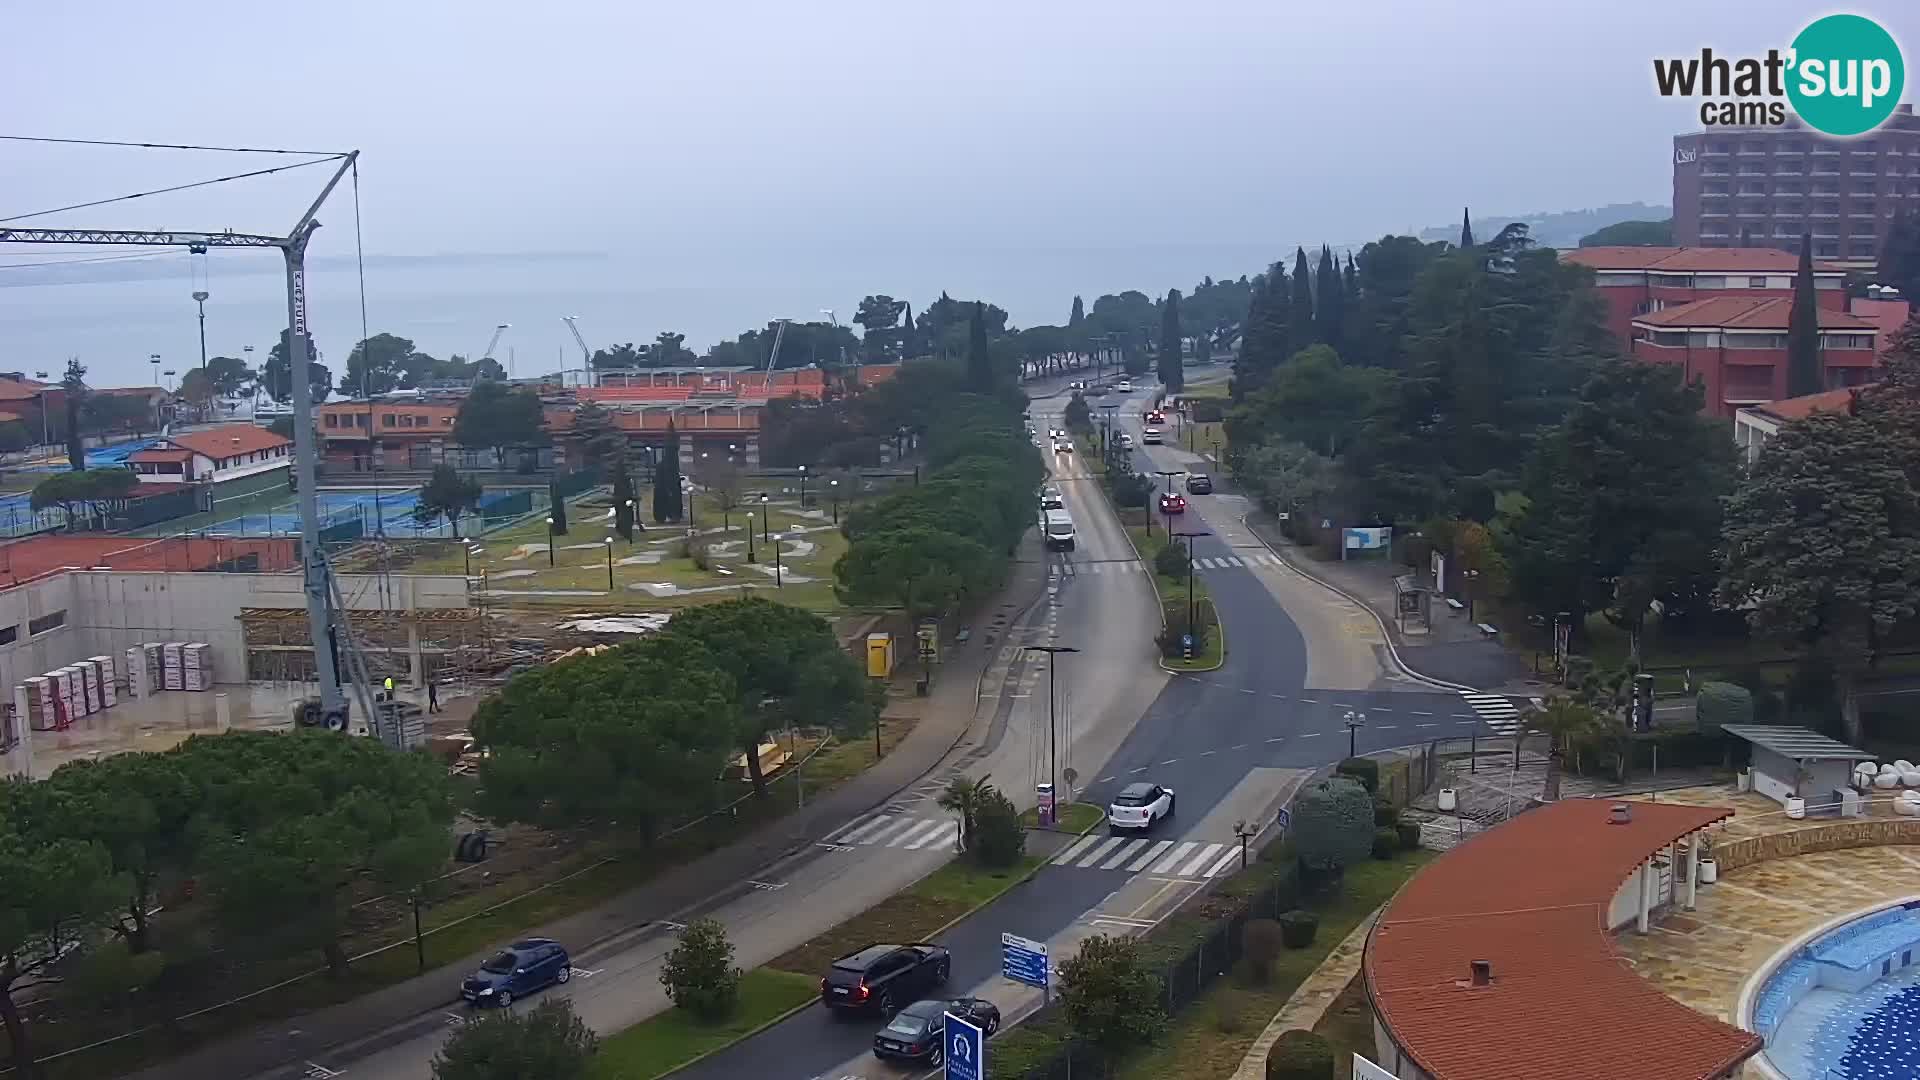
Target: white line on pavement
{"type": "Point", "coordinates": [1076, 849]}
{"type": "Point", "coordinates": [1232, 854]}
{"type": "Point", "coordinates": [1173, 860]}
{"type": "Point", "coordinates": [1101, 851]}
{"type": "Point", "coordinates": [1152, 853]}
{"type": "Point", "coordinates": [1206, 855]}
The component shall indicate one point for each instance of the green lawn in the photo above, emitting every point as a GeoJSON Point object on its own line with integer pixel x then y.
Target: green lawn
{"type": "Point", "coordinates": [1077, 818]}
{"type": "Point", "coordinates": [1173, 594]}
{"type": "Point", "coordinates": [670, 1040]}
{"type": "Point", "coordinates": [916, 914]}
{"type": "Point", "coordinates": [1348, 1025]}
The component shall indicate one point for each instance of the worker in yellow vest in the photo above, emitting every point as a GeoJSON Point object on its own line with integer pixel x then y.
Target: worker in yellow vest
{"type": "Point", "coordinates": [389, 687]}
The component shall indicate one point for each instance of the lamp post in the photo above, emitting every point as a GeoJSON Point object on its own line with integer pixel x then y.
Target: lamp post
{"type": "Point", "coordinates": [1189, 537]}
{"type": "Point", "coordinates": [766, 516]}
{"type": "Point", "coordinates": [803, 487]}
{"type": "Point", "coordinates": [1471, 576]}
{"type": "Point", "coordinates": [777, 582]}
{"type": "Point", "coordinates": [549, 543]}
{"type": "Point", "coordinates": [469, 550]}
{"type": "Point", "coordinates": [1243, 833]}
{"type": "Point", "coordinates": [609, 544]}
{"type": "Point", "coordinates": [748, 514]}
{"type": "Point", "coordinates": [833, 496]}
{"type": "Point", "coordinates": [1053, 683]}
{"type": "Point", "coordinates": [1354, 721]}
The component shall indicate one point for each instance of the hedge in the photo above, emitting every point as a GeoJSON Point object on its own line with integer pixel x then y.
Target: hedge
{"type": "Point", "coordinates": [1300, 1055]}
{"type": "Point", "coordinates": [1297, 928]}
{"type": "Point", "coordinates": [1364, 769]}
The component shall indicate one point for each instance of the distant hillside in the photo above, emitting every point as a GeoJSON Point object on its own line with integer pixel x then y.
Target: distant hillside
{"type": "Point", "coordinates": [1560, 229]}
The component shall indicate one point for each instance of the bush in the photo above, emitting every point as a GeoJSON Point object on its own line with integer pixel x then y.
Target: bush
{"type": "Point", "coordinates": [998, 838]}
{"type": "Point", "coordinates": [1261, 942]}
{"type": "Point", "coordinates": [1176, 616]}
{"type": "Point", "coordinates": [1385, 814]}
{"type": "Point", "coordinates": [1300, 1055]}
{"type": "Point", "coordinates": [699, 974]}
{"type": "Point", "coordinates": [1131, 491]}
{"type": "Point", "coordinates": [1366, 770]}
{"type": "Point", "coordinates": [1385, 843]}
{"type": "Point", "coordinates": [1297, 928]}
{"type": "Point", "coordinates": [1409, 834]}
{"type": "Point", "coordinates": [1171, 561]}
{"type": "Point", "coordinates": [1207, 410]}
{"type": "Point", "coordinates": [1722, 703]}
{"type": "Point", "coordinates": [1333, 824]}
{"type": "Point", "coordinates": [549, 1040]}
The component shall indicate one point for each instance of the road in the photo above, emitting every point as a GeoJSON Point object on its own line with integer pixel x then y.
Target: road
{"type": "Point", "coordinates": [853, 866]}
{"type": "Point", "coordinates": [1232, 744]}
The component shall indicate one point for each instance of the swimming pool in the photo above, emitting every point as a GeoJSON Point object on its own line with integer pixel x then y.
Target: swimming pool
{"type": "Point", "coordinates": [1846, 1004]}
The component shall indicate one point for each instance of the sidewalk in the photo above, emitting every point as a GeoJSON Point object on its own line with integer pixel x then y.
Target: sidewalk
{"type": "Point", "coordinates": [1452, 650]}
{"type": "Point", "coordinates": [944, 716]}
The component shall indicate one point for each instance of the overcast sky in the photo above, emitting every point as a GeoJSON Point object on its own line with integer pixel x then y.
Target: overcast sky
{"type": "Point", "coordinates": [752, 131]}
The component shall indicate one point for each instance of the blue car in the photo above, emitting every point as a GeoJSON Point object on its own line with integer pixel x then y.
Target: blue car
{"type": "Point", "coordinates": [517, 970]}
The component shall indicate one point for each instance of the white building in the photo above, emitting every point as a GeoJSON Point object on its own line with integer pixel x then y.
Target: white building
{"type": "Point", "coordinates": [213, 456]}
{"type": "Point", "coordinates": [1754, 425]}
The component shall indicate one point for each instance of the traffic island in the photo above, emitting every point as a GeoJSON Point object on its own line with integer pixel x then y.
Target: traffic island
{"type": "Point", "coordinates": [1179, 590]}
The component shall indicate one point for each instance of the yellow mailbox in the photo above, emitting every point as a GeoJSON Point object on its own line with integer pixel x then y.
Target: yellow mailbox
{"type": "Point", "coordinates": [879, 655]}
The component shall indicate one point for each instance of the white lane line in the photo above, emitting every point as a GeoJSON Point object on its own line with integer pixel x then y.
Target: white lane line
{"type": "Point", "coordinates": [1417, 712]}
{"type": "Point", "coordinates": [1231, 561]}
{"type": "Point", "coordinates": [1136, 772]}
{"type": "Point", "coordinates": [1173, 860]}
{"type": "Point", "coordinates": [950, 832]}
{"type": "Point", "coordinates": [1206, 855]}
{"type": "Point", "coordinates": [1152, 853]}
{"type": "Point", "coordinates": [918, 832]}
{"type": "Point", "coordinates": [1281, 697]}
{"type": "Point", "coordinates": [859, 833]}
{"type": "Point", "coordinates": [1311, 700]}
{"type": "Point", "coordinates": [1105, 779]}
{"type": "Point", "coordinates": [1206, 753]}
{"type": "Point", "coordinates": [1169, 761]}
{"type": "Point", "coordinates": [1127, 851]}
{"type": "Point", "coordinates": [1244, 690]}
{"type": "Point", "coordinates": [1275, 739]}
{"type": "Point", "coordinates": [1225, 861]}
{"type": "Point", "coordinates": [1383, 727]}
{"type": "Point", "coordinates": [1240, 746]}
{"type": "Point", "coordinates": [1381, 708]}
{"type": "Point", "coordinates": [1310, 734]}
{"type": "Point", "coordinates": [1101, 851]}
{"type": "Point", "coordinates": [1426, 725]}
{"type": "Point", "coordinates": [1069, 854]}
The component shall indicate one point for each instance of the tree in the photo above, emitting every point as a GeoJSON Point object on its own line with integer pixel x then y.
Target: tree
{"type": "Point", "coordinates": [599, 442]}
{"type": "Point", "coordinates": [618, 357]}
{"type": "Point", "coordinates": [1900, 256]}
{"type": "Point", "coordinates": [548, 1042]}
{"type": "Point", "coordinates": [1631, 234]}
{"type": "Point", "coordinates": [274, 375]}
{"type": "Point", "coordinates": [1466, 230]}
{"type": "Point", "coordinates": [1823, 545]}
{"type": "Point", "coordinates": [1266, 336]}
{"type": "Point", "coordinates": [963, 799]}
{"type": "Point", "coordinates": [699, 974]}
{"type": "Point", "coordinates": [1806, 373]}
{"type": "Point", "coordinates": [15, 436]}
{"type": "Point", "coordinates": [979, 363]}
{"type": "Point", "coordinates": [100, 491]}
{"type": "Point", "coordinates": [230, 375]}
{"type": "Point", "coordinates": [556, 511]}
{"type": "Point", "coordinates": [633, 736]}
{"type": "Point", "coordinates": [496, 417]}
{"type": "Point", "coordinates": [1286, 475]}
{"type": "Point", "coordinates": [1333, 824]}
{"type": "Point", "coordinates": [197, 386]}
{"type": "Point", "coordinates": [667, 493]}
{"type": "Point", "coordinates": [625, 507]}
{"type": "Point", "coordinates": [1562, 721]}
{"type": "Point", "coordinates": [1172, 375]}
{"type": "Point", "coordinates": [1077, 325]}
{"type": "Point", "coordinates": [724, 486]}
{"type": "Point", "coordinates": [74, 385]}
{"type": "Point", "coordinates": [787, 667]}
{"type": "Point", "coordinates": [670, 350]}
{"type": "Point", "coordinates": [1300, 305]}
{"type": "Point", "coordinates": [447, 494]}
{"type": "Point", "coordinates": [999, 839]}
{"type": "Point", "coordinates": [1111, 997]}
{"type": "Point", "coordinates": [109, 414]}
{"type": "Point", "coordinates": [55, 892]}
{"type": "Point", "coordinates": [923, 570]}
{"type": "Point", "coordinates": [138, 808]}
{"type": "Point", "coordinates": [384, 363]}
{"type": "Point", "coordinates": [1312, 399]}
{"type": "Point", "coordinates": [1330, 302]}
{"type": "Point", "coordinates": [1078, 415]}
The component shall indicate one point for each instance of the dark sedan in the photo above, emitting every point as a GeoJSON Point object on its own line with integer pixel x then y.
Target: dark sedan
{"type": "Point", "coordinates": [882, 978]}
{"type": "Point", "coordinates": [1199, 484]}
{"type": "Point", "coordinates": [918, 1032]}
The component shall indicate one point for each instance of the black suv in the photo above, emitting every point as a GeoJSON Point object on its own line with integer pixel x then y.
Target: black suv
{"type": "Point", "coordinates": [882, 978]}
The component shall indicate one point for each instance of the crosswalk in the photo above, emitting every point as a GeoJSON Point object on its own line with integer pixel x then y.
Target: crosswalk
{"type": "Point", "coordinates": [907, 831]}
{"type": "Point", "coordinates": [1170, 858]}
{"type": "Point", "coordinates": [1130, 566]}
{"type": "Point", "coordinates": [1500, 713]}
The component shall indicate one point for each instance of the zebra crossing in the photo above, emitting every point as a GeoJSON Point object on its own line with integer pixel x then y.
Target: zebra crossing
{"type": "Point", "coordinates": [1500, 713]}
{"type": "Point", "coordinates": [906, 831]}
{"type": "Point", "coordinates": [1130, 566]}
{"type": "Point", "coordinates": [1169, 858]}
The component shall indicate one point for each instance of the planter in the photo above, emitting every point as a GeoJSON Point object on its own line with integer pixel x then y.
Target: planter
{"type": "Point", "coordinates": [1448, 798]}
{"type": "Point", "coordinates": [1796, 807]}
{"type": "Point", "coordinates": [1709, 871]}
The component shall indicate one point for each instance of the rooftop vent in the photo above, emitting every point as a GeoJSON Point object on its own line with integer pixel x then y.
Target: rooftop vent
{"type": "Point", "coordinates": [1482, 972]}
{"type": "Point", "coordinates": [1620, 814]}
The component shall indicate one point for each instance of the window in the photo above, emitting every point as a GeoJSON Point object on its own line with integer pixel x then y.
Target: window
{"type": "Point", "coordinates": [53, 620]}
{"type": "Point", "coordinates": [1846, 341]}
{"type": "Point", "coordinates": [389, 420]}
{"type": "Point", "coordinates": [333, 421]}
{"type": "Point", "coordinates": [1756, 283]}
{"type": "Point", "coordinates": [1704, 337]}
{"type": "Point", "coordinates": [9, 634]}
{"type": "Point", "coordinates": [1710, 281]}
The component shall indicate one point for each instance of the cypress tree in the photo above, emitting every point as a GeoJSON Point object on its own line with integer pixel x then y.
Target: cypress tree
{"type": "Point", "coordinates": [1300, 312]}
{"type": "Point", "coordinates": [557, 510]}
{"type": "Point", "coordinates": [1172, 376]}
{"type": "Point", "coordinates": [979, 364]}
{"type": "Point", "coordinates": [1804, 372]}
{"type": "Point", "coordinates": [1352, 283]}
{"type": "Point", "coordinates": [1466, 229]}
{"type": "Point", "coordinates": [623, 507]}
{"type": "Point", "coordinates": [906, 333]}
{"type": "Point", "coordinates": [666, 479]}
{"type": "Point", "coordinates": [1077, 327]}
{"type": "Point", "coordinates": [1330, 303]}
{"type": "Point", "coordinates": [1264, 339]}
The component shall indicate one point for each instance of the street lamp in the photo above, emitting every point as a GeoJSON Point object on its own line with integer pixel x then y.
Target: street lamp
{"type": "Point", "coordinates": [1190, 537]}
{"type": "Point", "coordinates": [748, 514]}
{"type": "Point", "coordinates": [469, 549]}
{"type": "Point", "coordinates": [803, 487]}
{"type": "Point", "coordinates": [777, 582]}
{"type": "Point", "coordinates": [609, 543]}
{"type": "Point", "coordinates": [1053, 682]}
{"type": "Point", "coordinates": [766, 516]}
{"type": "Point", "coordinates": [1244, 832]}
{"type": "Point", "coordinates": [549, 543]}
{"type": "Point", "coordinates": [833, 496]}
{"type": "Point", "coordinates": [1471, 576]}
{"type": "Point", "coordinates": [1354, 721]}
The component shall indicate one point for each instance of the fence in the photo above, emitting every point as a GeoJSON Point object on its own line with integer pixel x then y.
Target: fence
{"type": "Point", "coordinates": [567, 485]}
{"type": "Point", "coordinates": [154, 509]}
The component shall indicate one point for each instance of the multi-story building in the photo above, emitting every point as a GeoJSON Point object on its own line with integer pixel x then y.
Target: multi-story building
{"type": "Point", "coordinates": [1756, 425]}
{"type": "Point", "coordinates": [1636, 281]}
{"type": "Point", "coordinates": [1769, 186]}
{"type": "Point", "coordinates": [1737, 348]}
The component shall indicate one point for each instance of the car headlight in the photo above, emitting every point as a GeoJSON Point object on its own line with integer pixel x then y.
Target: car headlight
{"type": "Point", "coordinates": [487, 991]}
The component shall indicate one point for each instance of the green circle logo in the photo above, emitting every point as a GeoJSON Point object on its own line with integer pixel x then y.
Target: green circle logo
{"type": "Point", "coordinates": [1846, 75]}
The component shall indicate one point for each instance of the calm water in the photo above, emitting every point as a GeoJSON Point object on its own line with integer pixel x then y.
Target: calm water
{"type": "Point", "coordinates": [452, 307]}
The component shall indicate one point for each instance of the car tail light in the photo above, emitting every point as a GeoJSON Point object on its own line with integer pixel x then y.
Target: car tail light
{"type": "Point", "coordinates": [860, 993]}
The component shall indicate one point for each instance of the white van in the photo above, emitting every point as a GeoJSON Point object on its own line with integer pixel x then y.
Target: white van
{"type": "Point", "coordinates": [1058, 527]}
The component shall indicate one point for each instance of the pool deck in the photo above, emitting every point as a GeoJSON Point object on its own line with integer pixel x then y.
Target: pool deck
{"type": "Point", "coordinates": [1704, 958]}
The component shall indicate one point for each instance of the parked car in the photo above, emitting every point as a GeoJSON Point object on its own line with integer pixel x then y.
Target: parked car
{"type": "Point", "coordinates": [518, 970]}
{"type": "Point", "coordinates": [1151, 436]}
{"type": "Point", "coordinates": [918, 1032]}
{"type": "Point", "coordinates": [1124, 440]}
{"type": "Point", "coordinates": [881, 978]}
{"type": "Point", "coordinates": [1199, 484]}
{"type": "Point", "coordinates": [1172, 502]}
{"type": "Point", "coordinates": [1138, 806]}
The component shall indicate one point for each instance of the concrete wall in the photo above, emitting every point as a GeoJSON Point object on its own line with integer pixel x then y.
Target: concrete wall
{"type": "Point", "coordinates": [1868, 832]}
{"type": "Point", "coordinates": [28, 654]}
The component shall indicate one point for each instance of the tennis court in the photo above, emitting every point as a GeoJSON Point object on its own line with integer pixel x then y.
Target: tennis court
{"type": "Point", "coordinates": [382, 510]}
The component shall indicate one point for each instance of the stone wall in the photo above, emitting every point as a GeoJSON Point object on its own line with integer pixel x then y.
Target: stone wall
{"type": "Point", "coordinates": [1834, 836]}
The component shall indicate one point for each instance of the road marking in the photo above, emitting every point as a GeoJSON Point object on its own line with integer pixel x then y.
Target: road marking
{"type": "Point", "coordinates": [1281, 697]}
{"type": "Point", "coordinates": [834, 847]}
{"type": "Point", "coordinates": [1276, 739]}
{"type": "Point", "coordinates": [1206, 855]}
{"type": "Point", "coordinates": [1084, 843]}
{"type": "Point", "coordinates": [1122, 920]}
{"type": "Point", "coordinates": [1153, 852]}
{"type": "Point", "coordinates": [1173, 860]}
{"type": "Point", "coordinates": [453, 1020]}
{"type": "Point", "coordinates": [1225, 860]}
{"type": "Point", "coordinates": [1310, 700]}
{"type": "Point", "coordinates": [1381, 708]}
{"type": "Point", "coordinates": [1426, 725]}
{"type": "Point", "coordinates": [1104, 779]}
{"type": "Point", "coordinates": [919, 832]}
{"type": "Point", "coordinates": [676, 927]}
{"type": "Point", "coordinates": [1383, 727]}
{"type": "Point", "coordinates": [1417, 712]}
{"type": "Point", "coordinates": [893, 831]}
{"type": "Point", "coordinates": [1244, 690]}
{"type": "Point", "coordinates": [1101, 851]}
{"type": "Point", "coordinates": [321, 1072]}
{"type": "Point", "coordinates": [1136, 772]}
{"type": "Point", "coordinates": [862, 832]}
{"type": "Point", "coordinates": [585, 973]}
{"type": "Point", "coordinates": [951, 832]}
{"type": "Point", "coordinates": [1169, 761]}
{"type": "Point", "coordinates": [1310, 734]}
{"type": "Point", "coordinates": [1127, 851]}
{"type": "Point", "coordinates": [1206, 753]}
{"type": "Point", "coordinates": [1240, 746]}
{"type": "Point", "coordinates": [768, 886]}
{"type": "Point", "coordinates": [1341, 705]}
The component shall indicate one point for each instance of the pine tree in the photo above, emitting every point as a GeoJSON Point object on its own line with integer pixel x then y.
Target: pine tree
{"type": "Point", "coordinates": [666, 479]}
{"type": "Point", "coordinates": [979, 363]}
{"type": "Point", "coordinates": [623, 503]}
{"type": "Point", "coordinates": [1466, 229]}
{"type": "Point", "coordinates": [1172, 375]}
{"type": "Point", "coordinates": [1804, 373]}
{"type": "Point", "coordinates": [1300, 313]}
{"type": "Point", "coordinates": [1330, 303]}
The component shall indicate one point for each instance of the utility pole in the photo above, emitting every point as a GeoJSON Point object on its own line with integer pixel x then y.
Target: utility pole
{"type": "Point", "coordinates": [1053, 695]}
{"type": "Point", "coordinates": [1189, 537]}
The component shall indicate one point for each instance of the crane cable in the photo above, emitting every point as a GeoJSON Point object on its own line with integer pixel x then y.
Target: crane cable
{"type": "Point", "coordinates": [168, 190]}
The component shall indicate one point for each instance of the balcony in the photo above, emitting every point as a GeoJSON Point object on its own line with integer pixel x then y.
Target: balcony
{"type": "Point", "coordinates": [1713, 194]}
{"type": "Point", "coordinates": [1795, 171]}
{"type": "Point", "coordinates": [1825, 151]}
{"type": "Point", "coordinates": [1709, 151]}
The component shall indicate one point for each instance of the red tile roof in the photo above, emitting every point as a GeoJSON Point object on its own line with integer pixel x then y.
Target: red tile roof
{"type": "Point", "coordinates": [1531, 898]}
{"type": "Point", "coordinates": [20, 389]}
{"type": "Point", "coordinates": [1745, 313]}
{"type": "Point", "coordinates": [1685, 260]}
{"type": "Point", "coordinates": [1799, 408]}
{"type": "Point", "coordinates": [159, 454]}
{"type": "Point", "coordinates": [228, 440]}
{"type": "Point", "coordinates": [1888, 315]}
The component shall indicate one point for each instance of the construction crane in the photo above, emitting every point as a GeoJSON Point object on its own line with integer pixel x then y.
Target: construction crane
{"type": "Point", "coordinates": [326, 620]}
{"type": "Point", "coordinates": [773, 357]}
{"type": "Point", "coordinates": [586, 354]}
{"type": "Point", "coordinates": [495, 339]}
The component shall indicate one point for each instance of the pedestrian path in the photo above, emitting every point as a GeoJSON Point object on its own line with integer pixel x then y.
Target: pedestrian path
{"type": "Point", "coordinates": [1500, 713]}
{"type": "Point", "coordinates": [907, 831]}
{"type": "Point", "coordinates": [1169, 858]}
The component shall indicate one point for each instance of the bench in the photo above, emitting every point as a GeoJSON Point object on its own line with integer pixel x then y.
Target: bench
{"type": "Point", "coordinates": [1489, 629]}
{"type": "Point", "coordinates": [1455, 604]}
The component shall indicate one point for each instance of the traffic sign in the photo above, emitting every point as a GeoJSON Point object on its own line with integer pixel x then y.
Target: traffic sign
{"type": "Point", "coordinates": [966, 1050]}
{"type": "Point", "coordinates": [1367, 1070]}
{"type": "Point", "coordinates": [1284, 819]}
{"type": "Point", "coordinates": [1023, 960]}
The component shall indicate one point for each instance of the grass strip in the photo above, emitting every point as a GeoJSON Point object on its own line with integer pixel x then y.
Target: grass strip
{"type": "Point", "coordinates": [918, 913]}
{"type": "Point", "coordinates": [661, 1044]}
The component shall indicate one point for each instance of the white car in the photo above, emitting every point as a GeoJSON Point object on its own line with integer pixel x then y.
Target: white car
{"type": "Point", "coordinates": [1051, 499]}
{"type": "Point", "coordinates": [1138, 806]}
{"type": "Point", "coordinates": [1125, 440]}
{"type": "Point", "coordinates": [1151, 436]}
{"type": "Point", "coordinates": [1126, 386]}
{"type": "Point", "coordinates": [1063, 446]}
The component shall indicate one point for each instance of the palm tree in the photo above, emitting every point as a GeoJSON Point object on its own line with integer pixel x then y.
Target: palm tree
{"type": "Point", "coordinates": [1561, 721]}
{"type": "Point", "coordinates": [964, 798]}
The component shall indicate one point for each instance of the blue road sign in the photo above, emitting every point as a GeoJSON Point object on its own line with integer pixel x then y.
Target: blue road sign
{"type": "Point", "coordinates": [966, 1050]}
{"type": "Point", "coordinates": [1284, 820]}
{"type": "Point", "coordinates": [1023, 960]}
